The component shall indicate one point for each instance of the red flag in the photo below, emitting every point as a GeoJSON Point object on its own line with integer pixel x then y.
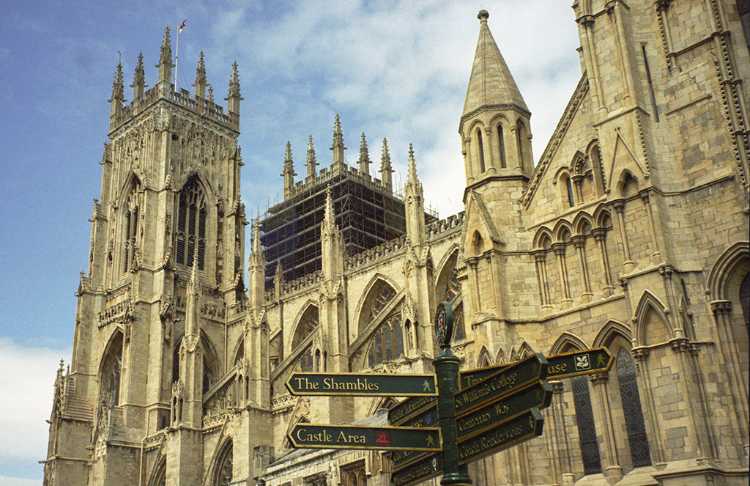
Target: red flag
{"type": "Point", "coordinates": [182, 26]}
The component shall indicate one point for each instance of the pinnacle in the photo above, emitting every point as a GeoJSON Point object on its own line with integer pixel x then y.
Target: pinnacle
{"type": "Point", "coordinates": [491, 82]}
{"type": "Point", "coordinates": [412, 165]}
{"type": "Point", "coordinates": [385, 156]}
{"type": "Point", "coordinates": [288, 153]}
{"type": "Point", "coordinates": [311, 161]}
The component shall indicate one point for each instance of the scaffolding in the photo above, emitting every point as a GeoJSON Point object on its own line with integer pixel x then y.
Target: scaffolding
{"type": "Point", "coordinates": [366, 214]}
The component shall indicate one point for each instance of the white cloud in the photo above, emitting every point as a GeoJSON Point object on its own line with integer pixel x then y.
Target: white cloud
{"type": "Point", "coordinates": [27, 375]}
{"type": "Point", "coordinates": [396, 68]}
{"type": "Point", "coordinates": [11, 481]}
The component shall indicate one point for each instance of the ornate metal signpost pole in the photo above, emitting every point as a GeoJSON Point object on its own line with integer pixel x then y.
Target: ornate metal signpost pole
{"type": "Point", "coordinates": [446, 368]}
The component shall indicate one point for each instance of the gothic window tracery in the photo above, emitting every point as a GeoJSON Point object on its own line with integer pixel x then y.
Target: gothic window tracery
{"type": "Point", "coordinates": [223, 471]}
{"type": "Point", "coordinates": [160, 474]}
{"type": "Point", "coordinates": [387, 342]}
{"type": "Point", "coordinates": [191, 225]}
{"type": "Point", "coordinates": [307, 325]}
{"type": "Point", "coordinates": [586, 428]}
{"type": "Point", "coordinates": [631, 407]}
{"type": "Point", "coordinates": [111, 369]}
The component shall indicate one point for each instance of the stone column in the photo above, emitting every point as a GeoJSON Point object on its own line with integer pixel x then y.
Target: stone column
{"type": "Point", "coordinates": [541, 277]}
{"type": "Point", "coordinates": [473, 263]}
{"type": "Point", "coordinates": [722, 312]}
{"type": "Point", "coordinates": [559, 249]}
{"type": "Point", "coordinates": [600, 235]}
{"type": "Point", "coordinates": [579, 241]}
{"type": "Point", "coordinates": [620, 210]}
{"type": "Point", "coordinates": [603, 416]}
{"type": "Point", "coordinates": [656, 252]}
{"type": "Point", "coordinates": [648, 405]}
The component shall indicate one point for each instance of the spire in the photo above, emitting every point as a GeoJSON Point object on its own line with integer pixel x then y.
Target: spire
{"type": "Point", "coordinates": [118, 92]}
{"type": "Point", "coordinates": [233, 95]}
{"type": "Point", "coordinates": [165, 59]}
{"type": "Point", "coordinates": [139, 79]}
{"type": "Point", "coordinates": [364, 156]}
{"type": "Point", "coordinates": [200, 77]}
{"type": "Point", "coordinates": [386, 169]}
{"type": "Point", "coordinates": [329, 214]}
{"type": "Point", "coordinates": [490, 82]}
{"type": "Point", "coordinates": [257, 268]}
{"type": "Point", "coordinates": [288, 172]}
{"type": "Point", "coordinates": [332, 244]}
{"type": "Point", "coordinates": [414, 203]}
{"type": "Point", "coordinates": [311, 161]}
{"type": "Point", "coordinates": [338, 144]}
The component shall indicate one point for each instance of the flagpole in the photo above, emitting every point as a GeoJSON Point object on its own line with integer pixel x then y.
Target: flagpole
{"type": "Point", "coordinates": [177, 58]}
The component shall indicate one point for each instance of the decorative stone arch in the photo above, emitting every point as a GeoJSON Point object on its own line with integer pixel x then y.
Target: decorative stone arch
{"type": "Point", "coordinates": [731, 262]}
{"type": "Point", "coordinates": [525, 350]}
{"type": "Point", "coordinates": [610, 331]}
{"type": "Point", "coordinates": [565, 341]}
{"type": "Point", "coordinates": [648, 304]}
{"type": "Point", "coordinates": [602, 215]}
{"type": "Point", "coordinates": [477, 131]}
{"type": "Point", "coordinates": [132, 180]}
{"type": "Point", "coordinates": [564, 179]}
{"type": "Point", "coordinates": [478, 243]}
{"type": "Point", "coordinates": [500, 126]}
{"type": "Point", "coordinates": [202, 178]}
{"type": "Point", "coordinates": [500, 357]}
{"type": "Point", "coordinates": [580, 220]}
{"type": "Point", "coordinates": [159, 472]}
{"type": "Point", "coordinates": [367, 292]}
{"type": "Point", "coordinates": [594, 153]}
{"type": "Point", "coordinates": [447, 256]}
{"type": "Point", "coordinates": [543, 237]}
{"type": "Point", "coordinates": [561, 229]}
{"type": "Point", "coordinates": [627, 183]}
{"type": "Point", "coordinates": [577, 163]}
{"type": "Point", "coordinates": [484, 359]}
{"type": "Point", "coordinates": [448, 265]}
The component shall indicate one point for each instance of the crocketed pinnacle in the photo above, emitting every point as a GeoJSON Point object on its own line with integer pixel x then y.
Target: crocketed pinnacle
{"type": "Point", "coordinates": [491, 82]}
{"type": "Point", "coordinates": [139, 78]}
{"type": "Point", "coordinates": [311, 161]}
{"type": "Point", "coordinates": [412, 167]}
{"type": "Point", "coordinates": [165, 57]}
{"type": "Point", "coordinates": [234, 82]}
{"type": "Point", "coordinates": [200, 77]}
{"type": "Point", "coordinates": [329, 214]}
{"type": "Point", "coordinates": [386, 169]}
{"type": "Point", "coordinates": [338, 142]}
{"type": "Point", "coordinates": [118, 90]}
{"type": "Point", "coordinates": [364, 155]}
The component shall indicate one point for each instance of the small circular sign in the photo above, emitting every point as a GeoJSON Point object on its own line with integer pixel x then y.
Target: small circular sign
{"type": "Point", "coordinates": [444, 324]}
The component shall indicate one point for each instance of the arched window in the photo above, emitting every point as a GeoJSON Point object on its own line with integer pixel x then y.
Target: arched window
{"type": "Point", "coordinates": [569, 192]}
{"type": "Point", "coordinates": [387, 342]}
{"type": "Point", "coordinates": [130, 230]}
{"type": "Point", "coordinates": [501, 146]}
{"type": "Point", "coordinates": [111, 368]}
{"type": "Point", "coordinates": [586, 429]}
{"type": "Point", "coordinates": [628, 184]}
{"type": "Point", "coordinates": [191, 224]}
{"type": "Point", "coordinates": [480, 148]}
{"type": "Point", "coordinates": [223, 471]}
{"type": "Point", "coordinates": [307, 325]}
{"type": "Point", "coordinates": [631, 407]}
{"type": "Point", "coordinates": [477, 244]}
{"type": "Point", "coordinates": [520, 137]}
{"type": "Point", "coordinates": [159, 476]}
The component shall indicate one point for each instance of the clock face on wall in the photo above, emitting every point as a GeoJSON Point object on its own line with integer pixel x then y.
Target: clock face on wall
{"type": "Point", "coordinates": [444, 324]}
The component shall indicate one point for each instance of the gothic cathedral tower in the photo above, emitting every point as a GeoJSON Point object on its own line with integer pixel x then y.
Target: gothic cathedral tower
{"type": "Point", "coordinates": [164, 284]}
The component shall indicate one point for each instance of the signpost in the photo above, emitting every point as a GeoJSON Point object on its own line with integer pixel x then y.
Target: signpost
{"type": "Point", "coordinates": [314, 436]}
{"type": "Point", "coordinates": [362, 384]}
{"type": "Point", "coordinates": [559, 366]}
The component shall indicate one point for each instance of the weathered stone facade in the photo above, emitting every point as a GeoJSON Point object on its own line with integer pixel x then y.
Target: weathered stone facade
{"type": "Point", "coordinates": [631, 232]}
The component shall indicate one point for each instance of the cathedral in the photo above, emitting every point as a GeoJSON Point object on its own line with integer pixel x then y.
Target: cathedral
{"type": "Point", "coordinates": [629, 231]}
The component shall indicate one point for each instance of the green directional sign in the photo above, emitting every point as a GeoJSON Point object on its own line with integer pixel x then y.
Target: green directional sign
{"type": "Point", "coordinates": [410, 407]}
{"type": "Point", "coordinates": [522, 428]}
{"type": "Point", "coordinates": [426, 468]}
{"type": "Point", "coordinates": [503, 382]}
{"type": "Point", "coordinates": [426, 418]}
{"type": "Point", "coordinates": [362, 384]}
{"type": "Point", "coordinates": [560, 366]}
{"type": "Point", "coordinates": [315, 436]}
{"type": "Point", "coordinates": [538, 395]}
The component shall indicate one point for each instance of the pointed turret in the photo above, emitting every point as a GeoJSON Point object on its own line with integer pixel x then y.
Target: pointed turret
{"type": "Point", "coordinates": [311, 160]}
{"type": "Point", "coordinates": [233, 94]}
{"type": "Point", "coordinates": [491, 82]}
{"type": "Point", "coordinates": [165, 60]}
{"type": "Point", "coordinates": [332, 244]}
{"type": "Point", "coordinates": [364, 156]}
{"type": "Point", "coordinates": [492, 144]}
{"type": "Point", "coordinates": [139, 79]}
{"type": "Point", "coordinates": [200, 77]}
{"type": "Point", "coordinates": [414, 203]}
{"type": "Point", "coordinates": [386, 169]}
{"type": "Point", "coordinates": [257, 267]}
{"type": "Point", "coordinates": [338, 145]}
{"type": "Point", "coordinates": [288, 171]}
{"type": "Point", "coordinates": [118, 93]}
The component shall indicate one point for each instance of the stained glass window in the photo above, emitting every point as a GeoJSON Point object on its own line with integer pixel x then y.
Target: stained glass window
{"type": "Point", "coordinates": [586, 429]}
{"type": "Point", "coordinates": [631, 407]}
{"type": "Point", "coordinates": [191, 225]}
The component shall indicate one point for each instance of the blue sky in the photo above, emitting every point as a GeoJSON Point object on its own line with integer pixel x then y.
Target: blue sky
{"type": "Point", "coordinates": [392, 68]}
